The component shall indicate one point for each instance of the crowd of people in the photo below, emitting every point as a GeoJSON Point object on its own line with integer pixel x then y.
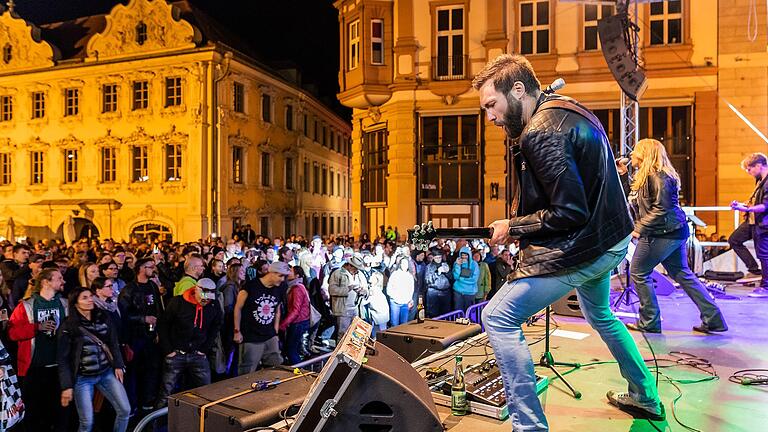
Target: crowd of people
{"type": "Point", "coordinates": [140, 321]}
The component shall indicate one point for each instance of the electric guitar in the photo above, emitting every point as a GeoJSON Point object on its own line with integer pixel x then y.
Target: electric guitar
{"type": "Point", "coordinates": [422, 235]}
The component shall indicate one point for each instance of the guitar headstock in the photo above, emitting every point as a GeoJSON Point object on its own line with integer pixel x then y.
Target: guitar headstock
{"type": "Point", "coordinates": [422, 235]}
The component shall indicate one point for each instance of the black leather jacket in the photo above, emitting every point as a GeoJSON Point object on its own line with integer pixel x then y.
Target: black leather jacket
{"type": "Point", "coordinates": [657, 208]}
{"type": "Point", "coordinates": [572, 207]}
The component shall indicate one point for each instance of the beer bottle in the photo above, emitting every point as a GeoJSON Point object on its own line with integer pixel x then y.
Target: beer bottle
{"type": "Point", "coordinates": [420, 310]}
{"type": "Point", "coordinates": [459, 405]}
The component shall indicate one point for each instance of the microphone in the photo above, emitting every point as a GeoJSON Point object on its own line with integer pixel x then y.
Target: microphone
{"type": "Point", "coordinates": [555, 86]}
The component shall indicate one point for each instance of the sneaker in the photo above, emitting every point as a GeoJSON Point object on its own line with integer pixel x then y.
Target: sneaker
{"type": "Point", "coordinates": [703, 328]}
{"type": "Point", "coordinates": [639, 328]}
{"type": "Point", "coordinates": [624, 402]}
{"type": "Point", "coordinates": [759, 292]}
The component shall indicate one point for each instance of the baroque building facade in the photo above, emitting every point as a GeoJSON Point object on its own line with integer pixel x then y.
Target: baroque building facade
{"type": "Point", "coordinates": [422, 150]}
{"type": "Point", "coordinates": [150, 121]}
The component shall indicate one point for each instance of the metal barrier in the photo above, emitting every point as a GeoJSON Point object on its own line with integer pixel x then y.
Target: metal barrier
{"type": "Point", "coordinates": [474, 313]}
{"type": "Point", "coordinates": [311, 362]}
{"type": "Point", "coordinates": [151, 416]}
{"type": "Point", "coordinates": [451, 316]}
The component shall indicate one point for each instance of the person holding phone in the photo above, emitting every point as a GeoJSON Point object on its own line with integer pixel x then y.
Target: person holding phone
{"type": "Point", "coordinates": [466, 272]}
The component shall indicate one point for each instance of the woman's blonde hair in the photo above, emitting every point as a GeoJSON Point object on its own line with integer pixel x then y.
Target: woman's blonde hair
{"type": "Point", "coordinates": [653, 159]}
{"type": "Point", "coordinates": [82, 274]}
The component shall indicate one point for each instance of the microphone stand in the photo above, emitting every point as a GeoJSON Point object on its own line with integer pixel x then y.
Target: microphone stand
{"type": "Point", "coordinates": [548, 361]}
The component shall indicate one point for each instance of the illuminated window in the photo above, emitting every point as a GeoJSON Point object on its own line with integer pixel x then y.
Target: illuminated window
{"type": "Point", "coordinates": [450, 61]}
{"type": "Point", "coordinates": [173, 91]}
{"type": "Point", "coordinates": [593, 14]}
{"type": "Point", "coordinates": [377, 42]}
{"type": "Point", "coordinates": [534, 27]}
{"type": "Point", "coordinates": [109, 98]}
{"type": "Point", "coordinates": [36, 167]}
{"type": "Point", "coordinates": [353, 49]}
{"type": "Point", "coordinates": [237, 164]}
{"type": "Point", "coordinates": [71, 102]}
{"type": "Point", "coordinates": [6, 108]}
{"type": "Point", "coordinates": [70, 166]}
{"type": "Point", "coordinates": [374, 170]}
{"type": "Point", "coordinates": [38, 105]}
{"type": "Point", "coordinates": [140, 95]}
{"type": "Point", "coordinates": [666, 22]}
{"type": "Point", "coordinates": [108, 164]}
{"type": "Point", "coordinates": [172, 162]}
{"type": "Point", "coordinates": [140, 162]}
{"type": "Point", "coordinates": [6, 167]}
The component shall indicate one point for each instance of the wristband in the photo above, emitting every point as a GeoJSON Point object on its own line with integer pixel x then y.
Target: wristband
{"type": "Point", "coordinates": [237, 331]}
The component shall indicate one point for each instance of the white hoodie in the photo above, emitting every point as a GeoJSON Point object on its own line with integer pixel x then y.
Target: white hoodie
{"type": "Point", "coordinates": [400, 287]}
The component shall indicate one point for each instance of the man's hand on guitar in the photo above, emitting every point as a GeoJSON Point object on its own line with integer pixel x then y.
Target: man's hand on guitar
{"type": "Point", "coordinates": [500, 233]}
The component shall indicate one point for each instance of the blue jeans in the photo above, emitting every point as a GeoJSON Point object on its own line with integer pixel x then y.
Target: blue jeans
{"type": "Point", "coordinates": [517, 300]}
{"type": "Point", "coordinates": [671, 254]}
{"type": "Point", "coordinates": [112, 390]}
{"type": "Point", "coordinates": [293, 340]}
{"type": "Point", "coordinates": [398, 313]}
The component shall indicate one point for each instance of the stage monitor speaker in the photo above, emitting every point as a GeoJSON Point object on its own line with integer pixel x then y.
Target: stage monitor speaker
{"type": "Point", "coordinates": [568, 305]}
{"type": "Point", "coordinates": [613, 32]}
{"type": "Point", "coordinates": [386, 395]}
{"type": "Point", "coordinates": [414, 340]}
{"type": "Point", "coordinates": [663, 286]}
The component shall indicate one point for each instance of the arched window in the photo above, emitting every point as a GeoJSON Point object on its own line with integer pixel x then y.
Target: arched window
{"type": "Point", "coordinates": [7, 53]}
{"type": "Point", "coordinates": [141, 33]}
{"type": "Point", "coordinates": [151, 231]}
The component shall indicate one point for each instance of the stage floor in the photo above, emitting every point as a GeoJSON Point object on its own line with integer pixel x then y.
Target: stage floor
{"type": "Point", "coordinates": [712, 406]}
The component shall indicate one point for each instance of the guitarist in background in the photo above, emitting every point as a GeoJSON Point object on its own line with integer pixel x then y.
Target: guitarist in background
{"type": "Point", "coordinates": [755, 225]}
{"type": "Point", "coordinates": [572, 223]}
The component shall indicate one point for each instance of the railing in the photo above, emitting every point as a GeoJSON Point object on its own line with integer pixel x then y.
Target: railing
{"type": "Point", "coordinates": [736, 221]}
{"type": "Point", "coordinates": [451, 316]}
{"type": "Point", "coordinates": [474, 313]}
{"type": "Point", "coordinates": [446, 68]}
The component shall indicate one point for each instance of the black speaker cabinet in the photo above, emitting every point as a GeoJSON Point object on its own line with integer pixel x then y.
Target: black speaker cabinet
{"type": "Point", "coordinates": [385, 395]}
{"type": "Point", "coordinates": [415, 340]}
{"type": "Point", "coordinates": [568, 305]}
{"type": "Point", "coordinates": [261, 408]}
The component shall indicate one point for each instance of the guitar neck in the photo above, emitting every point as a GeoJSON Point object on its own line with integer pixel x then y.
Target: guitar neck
{"type": "Point", "coordinates": [464, 232]}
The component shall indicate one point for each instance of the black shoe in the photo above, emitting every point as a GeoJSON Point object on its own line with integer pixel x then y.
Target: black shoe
{"type": "Point", "coordinates": [625, 403]}
{"type": "Point", "coordinates": [703, 328]}
{"type": "Point", "coordinates": [639, 328]}
{"type": "Point", "coordinates": [756, 272]}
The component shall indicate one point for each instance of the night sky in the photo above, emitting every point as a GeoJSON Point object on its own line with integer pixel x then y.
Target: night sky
{"type": "Point", "coordinates": [299, 32]}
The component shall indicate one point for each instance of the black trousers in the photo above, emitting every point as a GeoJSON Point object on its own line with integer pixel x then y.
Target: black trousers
{"type": "Point", "coordinates": [42, 398]}
{"type": "Point", "coordinates": [741, 234]}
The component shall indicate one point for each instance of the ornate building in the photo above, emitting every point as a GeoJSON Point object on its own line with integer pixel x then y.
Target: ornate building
{"type": "Point", "coordinates": [152, 121]}
{"type": "Point", "coordinates": [421, 148]}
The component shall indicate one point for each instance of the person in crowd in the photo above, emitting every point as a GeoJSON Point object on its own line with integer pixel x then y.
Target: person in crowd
{"type": "Point", "coordinates": [33, 325]}
{"type": "Point", "coordinates": [378, 303]}
{"type": "Point", "coordinates": [661, 230]}
{"type": "Point", "coordinates": [502, 267]}
{"type": "Point", "coordinates": [296, 321]}
{"type": "Point", "coordinates": [466, 272]}
{"type": "Point", "coordinates": [187, 331]}
{"type": "Point", "coordinates": [755, 225]}
{"type": "Point", "coordinates": [104, 298]}
{"type": "Point", "coordinates": [16, 265]}
{"type": "Point", "coordinates": [141, 306]}
{"type": "Point", "coordinates": [5, 313]}
{"type": "Point", "coordinates": [257, 319]}
{"type": "Point", "coordinates": [400, 288]}
{"type": "Point", "coordinates": [87, 273]}
{"type": "Point", "coordinates": [438, 283]}
{"type": "Point", "coordinates": [217, 272]}
{"type": "Point", "coordinates": [285, 254]}
{"type": "Point", "coordinates": [484, 281]}
{"type": "Point", "coordinates": [111, 270]}
{"type": "Point", "coordinates": [88, 356]}
{"type": "Point", "coordinates": [347, 291]}
{"type": "Point", "coordinates": [25, 278]}
{"type": "Point", "coordinates": [573, 227]}
{"type": "Point", "coordinates": [227, 297]}
{"type": "Point", "coordinates": [194, 266]}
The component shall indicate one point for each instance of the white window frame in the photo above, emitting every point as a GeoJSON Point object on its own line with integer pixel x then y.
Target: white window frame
{"type": "Point", "coordinates": [71, 102]}
{"type": "Point", "coordinates": [450, 33]}
{"type": "Point", "coordinates": [36, 165]}
{"type": "Point", "coordinates": [593, 24]}
{"type": "Point", "coordinates": [6, 108]}
{"type": "Point", "coordinates": [377, 40]}
{"type": "Point", "coordinates": [70, 166]}
{"type": "Point", "coordinates": [143, 95]}
{"type": "Point", "coordinates": [112, 162]}
{"type": "Point", "coordinates": [666, 17]}
{"type": "Point", "coordinates": [178, 162]}
{"type": "Point", "coordinates": [38, 104]}
{"type": "Point", "coordinates": [143, 162]}
{"type": "Point", "coordinates": [534, 28]}
{"type": "Point", "coordinates": [353, 45]}
{"type": "Point", "coordinates": [6, 168]}
{"type": "Point", "coordinates": [178, 89]}
{"type": "Point", "coordinates": [109, 101]}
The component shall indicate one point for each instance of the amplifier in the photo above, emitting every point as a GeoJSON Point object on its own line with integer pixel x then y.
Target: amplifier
{"type": "Point", "coordinates": [246, 412]}
{"type": "Point", "coordinates": [414, 340]}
